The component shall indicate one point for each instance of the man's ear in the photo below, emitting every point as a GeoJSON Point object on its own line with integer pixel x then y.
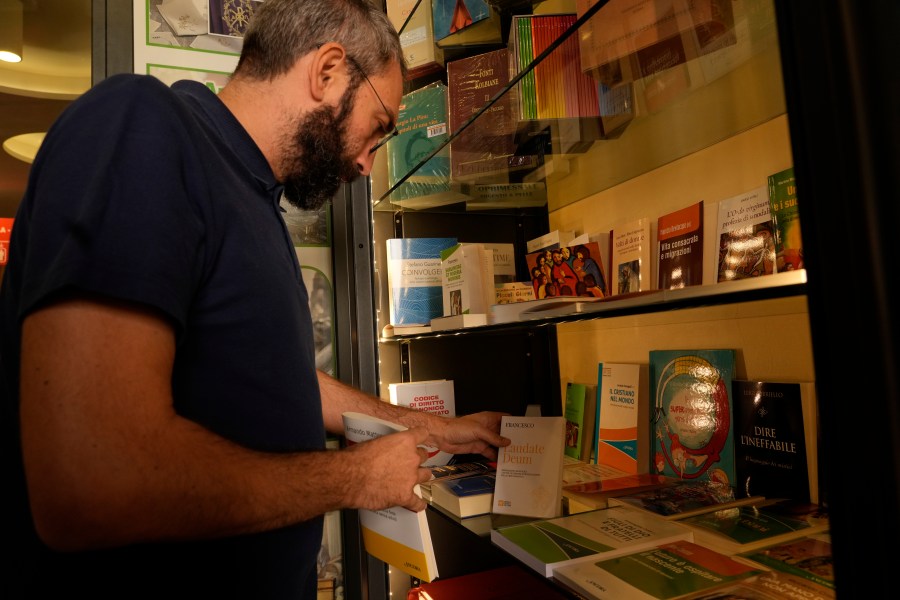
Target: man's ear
{"type": "Point", "coordinates": [328, 71]}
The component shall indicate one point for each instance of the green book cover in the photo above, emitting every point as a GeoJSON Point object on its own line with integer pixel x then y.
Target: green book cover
{"type": "Point", "coordinates": [525, 56]}
{"type": "Point", "coordinates": [548, 544]}
{"type": "Point", "coordinates": [786, 214]}
{"type": "Point", "coordinates": [754, 523]}
{"type": "Point", "coordinates": [692, 417]}
{"type": "Point", "coordinates": [576, 414]}
{"type": "Point", "coordinates": [422, 126]}
{"type": "Point", "coordinates": [809, 557]}
{"type": "Point", "coordinates": [667, 571]}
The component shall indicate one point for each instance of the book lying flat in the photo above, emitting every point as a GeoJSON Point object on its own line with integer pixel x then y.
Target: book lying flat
{"type": "Point", "coordinates": [465, 496]}
{"type": "Point", "coordinates": [677, 570]}
{"type": "Point", "coordinates": [684, 498]}
{"type": "Point", "coordinates": [750, 527]}
{"type": "Point", "coordinates": [545, 545]}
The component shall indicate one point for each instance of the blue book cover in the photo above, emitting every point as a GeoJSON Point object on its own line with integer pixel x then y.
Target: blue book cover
{"type": "Point", "coordinates": [693, 414]}
{"type": "Point", "coordinates": [450, 16]}
{"type": "Point", "coordinates": [414, 279]}
{"type": "Point", "coordinates": [472, 486]}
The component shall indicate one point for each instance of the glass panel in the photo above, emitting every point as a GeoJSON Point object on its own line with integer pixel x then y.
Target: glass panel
{"type": "Point", "coordinates": [573, 116]}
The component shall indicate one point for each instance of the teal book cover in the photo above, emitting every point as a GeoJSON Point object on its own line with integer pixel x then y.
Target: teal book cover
{"type": "Point", "coordinates": [422, 124]}
{"type": "Point", "coordinates": [692, 419]}
{"type": "Point", "coordinates": [451, 16]}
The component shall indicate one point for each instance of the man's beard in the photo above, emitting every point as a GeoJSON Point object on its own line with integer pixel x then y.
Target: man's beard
{"type": "Point", "coordinates": [315, 164]}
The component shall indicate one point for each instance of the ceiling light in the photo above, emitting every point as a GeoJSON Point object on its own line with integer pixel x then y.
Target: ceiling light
{"type": "Point", "coordinates": [25, 146]}
{"type": "Point", "coordinates": [11, 31]}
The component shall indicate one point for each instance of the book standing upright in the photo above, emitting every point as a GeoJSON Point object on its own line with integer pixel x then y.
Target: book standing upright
{"type": "Point", "coordinates": [414, 279]}
{"type": "Point", "coordinates": [579, 411]}
{"type": "Point", "coordinates": [693, 420]}
{"type": "Point", "coordinates": [680, 235]}
{"type": "Point", "coordinates": [632, 262]}
{"type": "Point", "coordinates": [770, 442]}
{"type": "Point", "coordinates": [622, 423]}
{"type": "Point", "coordinates": [435, 396]}
{"type": "Point", "coordinates": [786, 215]}
{"type": "Point", "coordinates": [529, 469]}
{"type": "Point", "coordinates": [746, 236]}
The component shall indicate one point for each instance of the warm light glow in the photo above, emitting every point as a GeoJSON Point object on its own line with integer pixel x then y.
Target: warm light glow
{"type": "Point", "coordinates": [24, 147]}
{"type": "Point", "coordinates": [9, 57]}
{"type": "Point", "coordinates": [11, 31]}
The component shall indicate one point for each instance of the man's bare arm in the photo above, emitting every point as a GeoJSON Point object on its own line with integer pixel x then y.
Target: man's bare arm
{"type": "Point", "coordinates": [109, 462]}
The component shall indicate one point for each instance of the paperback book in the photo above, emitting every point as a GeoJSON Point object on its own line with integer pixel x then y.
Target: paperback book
{"type": "Point", "coordinates": [595, 493]}
{"type": "Point", "coordinates": [770, 442]}
{"type": "Point", "coordinates": [397, 536]}
{"type": "Point", "coordinates": [465, 496]}
{"type": "Point", "coordinates": [467, 279]}
{"type": "Point", "coordinates": [665, 572]}
{"type": "Point", "coordinates": [434, 396]}
{"type": "Point", "coordinates": [547, 545]}
{"type": "Point", "coordinates": [809, 557]}
{"type": "Point", "coordinates": [414, 279]}
{"type": "Point", "coordinates": [485, 150]}
{"type": "Point", "coordinates": [681, 247]}
{"type": "Point", "coordinates": [622, 430]}
{"type": "Point", "coordinates": [499, 583]}
{"type": "Point", "coordinates": [529, 469]}
{"type": "Point", "coordinates": [693, 421]}
{"type": "Point", "coordinates": [416, 36]}
{"type": "Point", "coordinates": [770, 585]}
{"type": "Point", "coordinates": [567, 271]}
{"type": "Point", "coordinates": [461, 23]}
{"type": "Point", "coordinates": [632, 258]}
{"type": "Point", "coordinates": [579, 411]}
{"type": "Point", "coordinates": [415, 165]}
{"type": "Point", "coordinates": [746, 236]}
{"type": "Point", "coordinates": [682, 499]}
{"type": "Point", "coordinates": [786, 215]}
{"type": "Point", "coordinates": [753, 526]}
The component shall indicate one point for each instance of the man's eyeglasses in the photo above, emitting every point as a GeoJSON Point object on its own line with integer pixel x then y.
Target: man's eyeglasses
{"type": "Point", "coordinates": [394, 131]}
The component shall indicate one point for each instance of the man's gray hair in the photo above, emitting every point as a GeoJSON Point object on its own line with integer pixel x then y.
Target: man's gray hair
{"type": "Point", "coordinates": [282, 31]}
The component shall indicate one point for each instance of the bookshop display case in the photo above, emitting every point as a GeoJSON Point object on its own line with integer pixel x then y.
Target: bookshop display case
{"type": "Point", "coordinates": [591, 121]}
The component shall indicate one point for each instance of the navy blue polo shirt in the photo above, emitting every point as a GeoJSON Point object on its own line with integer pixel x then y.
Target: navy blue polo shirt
{"type": "Point", "coordinates": [158, 196]}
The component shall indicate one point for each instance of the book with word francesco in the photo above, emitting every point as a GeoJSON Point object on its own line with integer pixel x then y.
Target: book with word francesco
{"type": "Point", "coordinates": [529, 469]}
{"type": "Point", "coordinates": [397, 536]}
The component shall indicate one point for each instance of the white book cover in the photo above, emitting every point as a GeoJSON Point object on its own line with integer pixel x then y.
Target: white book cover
{"type": "Point", "coordinates": [504, 262]}
{"type": "Point", "coordinates": [397, 535]}
{"type": "Point", "coordinates": [434, 396]}
{"type": "Point", "coordinates": [546, 545]}
{"type": "Point", "coordinates": [632, 262]}
{"type": "Point", "coordinates": [529, 469]}
{"type": "Point", "coordinates": [467, 279]}
{"type": "Point", "coordinates": [622, 434]}
{"type": "Point", "coordinates": [550, 240]}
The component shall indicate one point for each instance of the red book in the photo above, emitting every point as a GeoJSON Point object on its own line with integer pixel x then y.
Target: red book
{"type": "Point", "coordinates": [503, 583]}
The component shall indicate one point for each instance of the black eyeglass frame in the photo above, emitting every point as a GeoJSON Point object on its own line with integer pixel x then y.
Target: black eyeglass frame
{"type": "Point", "coordinates": [394, 132]}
